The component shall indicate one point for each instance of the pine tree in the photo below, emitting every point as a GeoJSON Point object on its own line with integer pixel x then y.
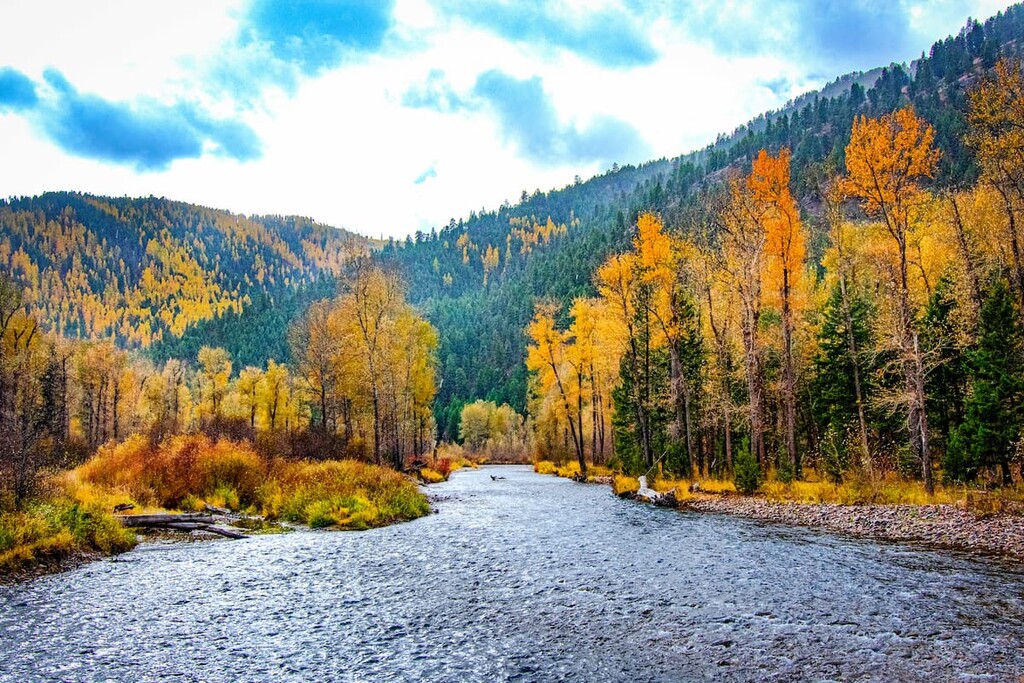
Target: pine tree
{"type": "Point", "coordinates": [947, 381]}
{"type": "Point", "coordinates": [992, 423]}
{"type": "Point", "coordinates": [835, 397]}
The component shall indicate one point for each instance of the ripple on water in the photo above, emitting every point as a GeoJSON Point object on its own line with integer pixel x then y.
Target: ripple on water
{"type": "Point", "coordinates": [529, 578]}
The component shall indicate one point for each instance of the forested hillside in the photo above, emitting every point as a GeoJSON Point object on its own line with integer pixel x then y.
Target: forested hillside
{"type": "Point", "coordinates": [170, 277]}
{"type": "Point", "coordinates": [148, 271]}
{"type": "Point", "coordinates": [478, 279]}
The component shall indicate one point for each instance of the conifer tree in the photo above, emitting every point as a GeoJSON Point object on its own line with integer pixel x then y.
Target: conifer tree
{"type": "Point", "coordinates": [992, 423]}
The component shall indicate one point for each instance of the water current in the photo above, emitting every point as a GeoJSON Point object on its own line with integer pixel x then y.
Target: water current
{"type": "Point", "coordinates": [526, 578]}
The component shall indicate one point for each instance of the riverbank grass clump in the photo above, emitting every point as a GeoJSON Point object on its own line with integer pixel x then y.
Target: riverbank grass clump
{"type": "Point", "coordinates": [340, 493]}
{"type": "Point", "coordinates": [621, 484]}
{"type": "Point", "coordinates": [571, 470]}
{"type": "Point", "coordinates": [860, 490]}
{"type": "Point", "coordinates": [48, 534]}
{"type": "Point", "coordinates": [188, 472]}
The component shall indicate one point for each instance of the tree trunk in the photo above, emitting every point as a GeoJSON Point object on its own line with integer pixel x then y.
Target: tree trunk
{"type": "Point", "coordinates": [116, 418]}
{"type": "Point", "coordinates": [789, 376]}
{"type": "Point", "coordinates": [965, 253]}
{"type": "Point", "coordinates": [753, 369]}
{"type": "Point", "coordinates": [855, 364]}
{"type": "Point", "coordinates": [1018, 268]}
{"type": "Point", "coordinates": [921, 406]}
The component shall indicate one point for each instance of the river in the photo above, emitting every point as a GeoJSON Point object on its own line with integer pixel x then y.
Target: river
{"type": "Point", "coordinates": [527, 578]}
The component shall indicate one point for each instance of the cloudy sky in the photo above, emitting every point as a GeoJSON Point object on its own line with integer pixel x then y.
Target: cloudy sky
{"type": "Point", "coordinates": [391, 116]}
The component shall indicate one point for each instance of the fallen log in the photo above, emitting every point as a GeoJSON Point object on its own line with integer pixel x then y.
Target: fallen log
{"type": "Point", "coordinates": [193, 526]}
{"type": "Point", "coordinates": [667, 499]}
{"type": "Point", "coordinates": [226, 533]}
{"type": "Point", "coordinates": [164, 518]}
{"type": "Point", "coordinates": [187, 521]}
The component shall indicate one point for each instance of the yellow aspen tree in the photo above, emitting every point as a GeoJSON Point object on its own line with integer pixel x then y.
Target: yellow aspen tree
{"type": "Point", "coordinates": [842, 268]}
{"type": "Point", "coordinates": [743, 249]}
{"type": "Point", "coordinates": [785, 252]}
{"type": "Point", "coordinates": [885, 159]}
{"type": "Point", "coordinates": [548, 353]}
{"type": "Point", "coordinates": [666, 265]}
{"type": "Point", "coordinates": [375, 295]}
{"type": "Point", "coordinates": [489, 259]}
{"type": "Point", "coordinates": [274, 392]}
{"type": "Point", "coordinates": [996, 119]}
{"type": "Point", "coordinates": [620, 285]}
{"type": "Point", "coordinates": [248, 387]}
{"type": "Point", "coordinates": [312, 341]}
{"type": "Point", "coordinates": [718, 299]}
{"type": "Point", "coordinates": [215, 370]}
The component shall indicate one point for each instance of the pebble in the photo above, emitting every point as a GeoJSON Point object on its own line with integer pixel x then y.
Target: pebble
{"type": "Point", "coordinates": [941, 526]}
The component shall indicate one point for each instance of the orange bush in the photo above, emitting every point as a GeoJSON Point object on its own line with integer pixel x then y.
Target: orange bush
{"type": "Point", "coordinates": [443, 467]}
{"type": "Point", "coordinates": [181, 466]}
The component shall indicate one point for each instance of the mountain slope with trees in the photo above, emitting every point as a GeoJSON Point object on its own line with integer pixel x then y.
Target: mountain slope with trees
{"type": "Point", "coordinates": [148, 272]}
{"type": "Point", "coordinates": [172, 277]}
{"type": "Point", "coordinates": [478, 279]}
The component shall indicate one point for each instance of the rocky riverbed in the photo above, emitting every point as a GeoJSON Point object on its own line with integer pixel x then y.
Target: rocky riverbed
{"type": "Point", "coordinates": [941, 526]}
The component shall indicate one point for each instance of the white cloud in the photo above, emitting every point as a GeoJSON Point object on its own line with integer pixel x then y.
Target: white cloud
{"type": "Point", "coordinates": [342, 148]}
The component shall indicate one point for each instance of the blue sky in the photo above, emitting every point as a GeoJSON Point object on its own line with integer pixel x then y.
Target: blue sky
{"type": "Point", "coordinates": [390, 116]}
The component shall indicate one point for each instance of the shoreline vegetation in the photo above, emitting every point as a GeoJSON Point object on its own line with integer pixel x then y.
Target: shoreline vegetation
{"type": "Point", "coordinates": [74, 521]}
{"type": "Point", "coordinates": [334, 438]}
{"type": "Point", "coordinates": [953, 518]}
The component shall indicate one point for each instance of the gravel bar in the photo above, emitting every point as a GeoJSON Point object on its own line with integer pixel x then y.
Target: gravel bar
{"type": "Point", "coordinates": [941, 526]}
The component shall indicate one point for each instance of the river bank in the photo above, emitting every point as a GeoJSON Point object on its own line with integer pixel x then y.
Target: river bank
{"type": "Point", "coordinates": [977, 523]}
{"type": "Point", "coordinates": [73, 519]}
{"type": "Point", "coordinates": [938, 526]}
{"type": "Point", "coordinates": [524, 578]}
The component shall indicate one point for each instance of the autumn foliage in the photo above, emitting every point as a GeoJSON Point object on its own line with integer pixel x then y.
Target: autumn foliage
{"type": "Point", "coordinates": [187, 470]}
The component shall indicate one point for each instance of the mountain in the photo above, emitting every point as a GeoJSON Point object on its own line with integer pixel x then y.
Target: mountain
{"type": "Point", "coordinates": [480, 319]}
{"type": "Point", "coordinates": [149, 272]}
{"type": "Point", "coordinates": [169, 277]}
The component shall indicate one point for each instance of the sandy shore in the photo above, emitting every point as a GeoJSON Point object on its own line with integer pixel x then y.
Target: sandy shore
{"type": "Point", "coordinates": [940, 526]}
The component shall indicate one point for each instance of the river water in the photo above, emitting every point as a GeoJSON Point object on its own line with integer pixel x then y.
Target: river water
{"type": "Point", "coordinates": [527, 578]}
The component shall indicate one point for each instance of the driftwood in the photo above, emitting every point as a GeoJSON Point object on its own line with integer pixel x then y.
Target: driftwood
{"type": "Point", "coordinates": [186, 521]}
{"type": "Point", "coordinates": [667, 499]}
{"type": "Point", "coordinates": [219, 530]}
{"type": "Point", "coordinates": [164, 518]}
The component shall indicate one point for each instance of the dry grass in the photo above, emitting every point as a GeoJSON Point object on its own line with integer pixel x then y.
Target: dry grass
{"type": "Point", "coordinates": [718, 486]}
{"type": "Point", "coordinates": [430, 476]}
{"type": "Point", "coordinates": [623, 484]}
{"type": "Point", "coordinates": [345, 493]}
{"type": "Point", "coordinates": [51, 532]}
{"type": "Point", "coordinates": [182, 467]}
{"type": "Point", "coordinates": [889, 490]}
{"type": "Point", "coordinates": [189, 471]}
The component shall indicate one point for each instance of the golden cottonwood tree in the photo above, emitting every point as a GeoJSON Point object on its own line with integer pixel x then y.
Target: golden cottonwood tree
{"type": "Point", "coordinates": [557, 364]}
{"type": "Point", "coordinates": [885, 159]}
{"type": "Point", "coordinates": [743, 249]}
{"type": "Point", "coordinates": [996, 117]}
{"type": "Point", "coordinates": [375, 296]}
{"type": "Point", "coordinates": [312, 340]}
{"type": "Point", "coordinates": [620, 283]}
{"type": "Point", "coordinates": [367, 362]}
{"type": "Point", "coordinates": [248, 387]}
{"type": "Point", "coordinates": [840, 264]}
{"type": "Point", "coordinates": [215, 373]}
{"type": "Point", "coordinates": [785, 252]}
